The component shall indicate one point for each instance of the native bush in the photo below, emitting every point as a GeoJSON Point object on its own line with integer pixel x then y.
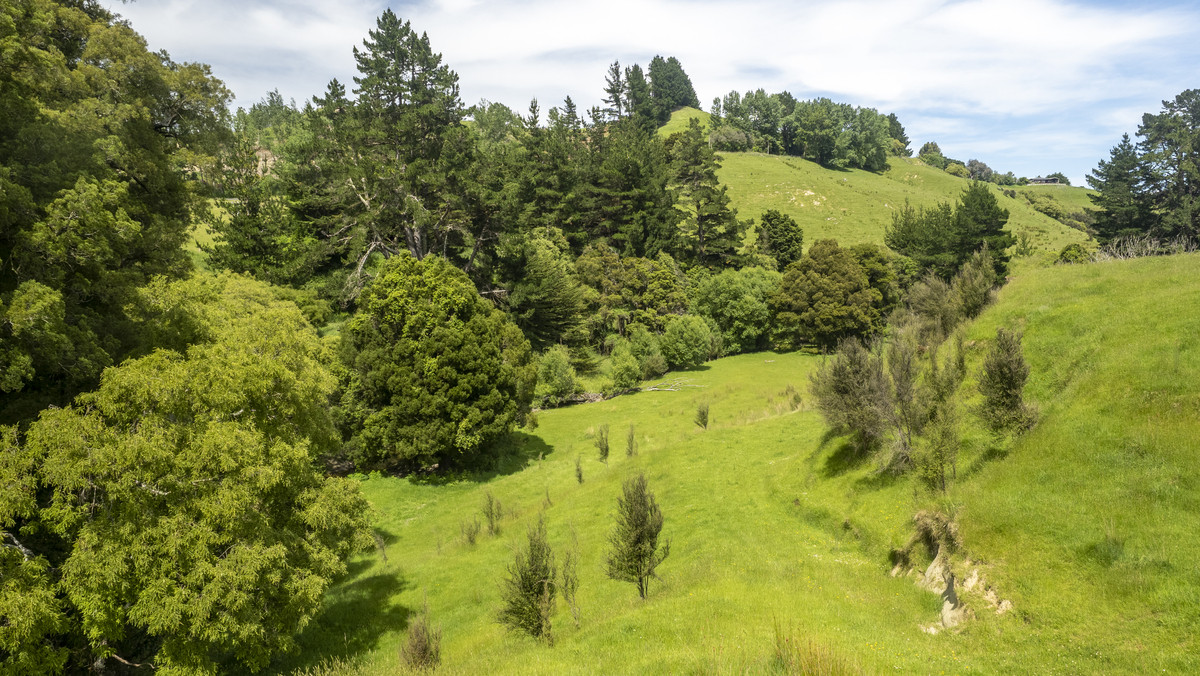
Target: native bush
{"type": "Point", "coordinates": [530, 588]}
{"type": "Point", "coordinates": [1002, 384]}
{"type": "Point", "coordinates": [686, 342]}
{"type": "Point", "coordinates": [634, 553]}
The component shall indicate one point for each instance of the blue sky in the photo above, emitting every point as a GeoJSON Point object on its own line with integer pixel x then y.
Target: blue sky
{"type": "Point", "coordinates": [1028, 86]}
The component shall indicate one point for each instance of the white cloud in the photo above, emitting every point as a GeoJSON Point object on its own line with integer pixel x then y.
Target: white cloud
{"type": "Point", "coordinates": [969, 62]}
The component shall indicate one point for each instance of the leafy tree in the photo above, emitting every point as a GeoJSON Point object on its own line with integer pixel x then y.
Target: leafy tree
{"type": "Point", "coordinates": [851, 392]}
{"type": "Point", "coordinates": [1062, 178]}
{"type": "Point", "coordinates": [634, 553]}
{"type": "Point", "coordinates": [179, 505]}
{"type": "Point", "coordinates": [784, 238]}
{"type": "Point", "coordinates": [686, 341]}
{"type": "Point", "coordinates": [925, 235]}
{"type": "Point", "coordinates": [98, 139]}
{"type": "Point", "coordinates": [1002, 383]}
{"type": "Point", "coordinates": [737, 301]}
{"type": "Point", "coordinates": [824, 298]}
{"type": "Point", "coordinates": [647, 349]}
{"type": "Point", "coordinates": [979, 171]}
{"type": "Point", "coordinates": [436, 373]}
{"type": "Point", "coordinates": [1120, 194]}
{"type": "Point", "coordinates": [626, 370]}
{"type": "Point", "coordinates": [530, 588]}
{"type": "Point", "coordinates": [556, 381]}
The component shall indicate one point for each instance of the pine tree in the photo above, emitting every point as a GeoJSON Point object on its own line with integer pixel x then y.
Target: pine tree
{"type": "Point", "coordinates": [614, 87]}
{"type": "Point", "coordinates": [711, 231]}
{"type": "Point", "coordinates": [1118, 183]}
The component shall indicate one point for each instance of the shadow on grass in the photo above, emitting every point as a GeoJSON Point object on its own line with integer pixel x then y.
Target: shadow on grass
{"type": "Point", "coordinates": [846, 457]}
{"type": "Point", "coordinates": [990, 454]}
{"type": "Point", "coordinates": [357, 613]}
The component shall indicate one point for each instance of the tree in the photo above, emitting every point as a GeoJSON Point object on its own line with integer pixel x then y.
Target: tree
{"type": "Point", "coordinates": [823, 299]}
{"type": "Point", "coordinates": [544, 298]}
{"type": "Point", "coordinates": [686, 341]}
{"type": "Point", "coordinates": [1170, 150]}
{"type": "Point", "coordinates": [638, 102]}
{"type": "Point", "coordinates": [980, 221]}
{"type": "Point", "coordinates": [670, 87]}
{"type": "Point", "coordinates": [711, 232]}
{"type": "Point", "coordinates": [98, 139]}
{"type": "Point", "coordinates": [851, 392]}
{"type": "Point", "coordinates": [556, 381]}
{"type": "Point", "coordinates": [436, 373]}
{"type": "Point", "coordinates": [783, 237]}
{"type": "Point", "coordinates": [634, 553]}
{"type": "Point", "coordinates": [1120, 194]}
{"type": "Point", "coordinates": [614, 88]}
{"type": "Point", "coordinates": [530, 589]}
{"type": "Point", "coordinates": [1002, 383]}
{"type": "Point", "coordinates": [738, 302]}
{"type": "Point", "coordinates": [942, 238]}
{"type": "Point", "coordinates": [896, 131]}
{"type": "Point", "coordinates": [180, 507]}
{"type": "Point", "coordinates": [626, 370]}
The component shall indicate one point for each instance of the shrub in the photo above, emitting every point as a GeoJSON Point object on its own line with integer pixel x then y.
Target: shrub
{"type": "Point", "coordinates": [422, 649]}
{"type": "Point", "coordinates": [1002, 383]}
{"type": "Point", "coordinates": [556, 377]}
{"type": "Point", "coordinates": [824, 298]}
{"type": "Point", "coordinates": [626, 372]}
{"type": "Point", "coordinates": [646, 348]}
{"type": "Point", "coordinates": [530, 588]}
{"type": "Point", "coordinates": [579, 468]}
{"type": "Point", "coordinates": [851, 393]}
{"type": "Point", "coordinates": [937, 307]}
{"type": "Point", "coordinates": [570, 582]}
{"type": "Point", "coordinates": [702, 414]}
{"type": "Point", "coordinates": [686, 342]}
{"type": "Point", "coordinates": [631, 442]}
{"type": "Point", "coordinates": [492, 512]}
{"type": "Point", "coordinates": [1074, 253]}
{"type": "Point", "coordinates": [635, 553]}
{"type": "Point", "coordinates": [736, 301]}
{"type": "Point", "coordinates": [470, 531]}
{"type": "Point", "coordinates": [974, 282]}
{"type": "Point", "coordinates": [602, 443]}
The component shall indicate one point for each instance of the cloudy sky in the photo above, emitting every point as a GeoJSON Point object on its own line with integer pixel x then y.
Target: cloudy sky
{"type": "Point", "coordinates": [1028, 86]}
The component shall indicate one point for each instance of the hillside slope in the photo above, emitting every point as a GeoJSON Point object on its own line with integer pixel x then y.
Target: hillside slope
{"type": "Point", "coordinates": [856, 206]}
{"type": "Point", "coordinates": [1086, 525]}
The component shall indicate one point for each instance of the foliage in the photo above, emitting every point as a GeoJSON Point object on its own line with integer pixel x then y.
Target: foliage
{"type": "Point", "coordinates": [493, 512]}
{"type": "Point", "coordinates": [710, 231]}
{"type": "Point", "coordinates": [422, 649]}
{"type": "Point", "coordinates": [942, 238]}
{"type": "Point", "coordinates": [702, 415]}
{"type": "Point", "coordinates": [1002, 384]}
{"type": "Point", "coordinates": [569, 582]}
{"type": "Point", "coordinates": [647, 349]}
{"type": "Point", "coordinates": [626, 371]}
{"type": "Point", "coordinates": [183, 491]}
{"type": "Point", "coordinates": [670, 87]}
{"type": "Point", "coordinates": [624, 291]}
{"type": "Point", "coordinates": [686, 342]}
{"type": "Point", "coordinates": [436, 373]}
{"type": "Point", "coordinates": [824, 298]}
{"type": "Point", "coordinates": [530, 588]}
{"type": "Point", "coordinates": [1074, 253]}
{"type": "Point", "coordinates": [784, 238]}
{"type": "Point", "coordinates": [98, 139]}
{"type": "Point", "coordinates": [602, 443]}
{"type": "Point", "coordinates": [634, 553]}
{"type": "Point", "coordinates": [1120, 194]}
{"type": "Point", "coordinates": [631, 442]}
{"type": "Point", "coordinates": [851, 392]}
{"type": "Point", "coordinates": [544, 299]}
{"type": "Point", "coordinates": [556, 382]}
{"type": "Point", "coordinates": [737, 302]}
{"type": "Point", "coordinates": [974, 283]}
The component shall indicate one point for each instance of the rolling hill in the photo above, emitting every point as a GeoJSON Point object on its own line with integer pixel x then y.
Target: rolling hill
{"type": "Point", "coordinates": [1082, 529]}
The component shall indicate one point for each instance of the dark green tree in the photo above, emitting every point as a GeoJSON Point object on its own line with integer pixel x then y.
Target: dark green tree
{"type": "Point", "coordinates": [896, 131]}
{"type": "Point", "coordinates": [823, 299]}
{"type": "Point", "coordinates": [711, 232]}
{"type": "Point", "coordinates": [638, 102]}
{"type": "Point", "coordinates": [1124, 209]}
{"type": "Point", "coordinates": [436, 373]}
{"type": "Point", "coordinates": [782, 237]}
{"type": "Point", "coordinates": [615, 92]}
{"type": "Point", "coordinates": [686, 342]}
{"type": "Point", "coordinates": [1002, 384]}
{"type": "Point", "coordinates": [670, 87]}
{"type": "Point", "coordinates": [980, 221]}
{"type": "Point", "coordinates": [1170, 152]}
{"type": "Point", "coordinates": [634, 553]}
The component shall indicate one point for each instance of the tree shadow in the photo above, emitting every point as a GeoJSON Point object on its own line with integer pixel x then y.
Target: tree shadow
{"type": "Point", "coordinates": [990, 454]}
{"type": "Point", "coordinates": [358, 611]}
{"type": "Point", "coordinates": [846, 457]}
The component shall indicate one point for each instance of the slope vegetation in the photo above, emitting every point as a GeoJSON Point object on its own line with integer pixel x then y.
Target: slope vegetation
{"type": "Point", "coordinates": [856, 206]}
{"type": "Point", "coordinates": [1083, 529]}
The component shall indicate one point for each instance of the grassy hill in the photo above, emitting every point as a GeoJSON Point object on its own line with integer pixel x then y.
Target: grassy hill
{"type": "Point", "coordinates": [681, 118]}
{"type": "Point", "coordinates": [1086, 525]}
{"type": "Point", "coordinates": [855, 206]}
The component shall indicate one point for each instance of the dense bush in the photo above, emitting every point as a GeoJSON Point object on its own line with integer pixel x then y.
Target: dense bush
{"type": "Point", "coordinates": [686, 342]}
{"type": "Point", "coordinates": [530, 588]}
{"type": "Point", "coordinates": [1002, 384]}
{"type": "Point", "coordinates": [852, 395]}
{"type": "Point", "coordinates": [436, 373]}
{"type": "Point", "coordinates": [556, 378]}
{"type": "Point", "coordinates": [824, 298]}
{"type": "Point", "coordinates": [736, 301]}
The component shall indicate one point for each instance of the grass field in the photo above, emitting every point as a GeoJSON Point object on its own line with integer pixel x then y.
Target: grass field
{"type": "Point", "coordinates": [854, 206]}
{"type": "Point", "coordinates": [1086, 524]}
{"type": "Point", "coordinates": [681, 118]}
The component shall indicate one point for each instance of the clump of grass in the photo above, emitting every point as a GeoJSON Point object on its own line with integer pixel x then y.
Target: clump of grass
{"type": "Point", "coordinates": [795, 654]}
{"type": "Point", "coordinates": [422, 649]}
{"type": "Point", "coordinates": [631, 442]}
{"type": "Point", "coordinates": [579, 468]}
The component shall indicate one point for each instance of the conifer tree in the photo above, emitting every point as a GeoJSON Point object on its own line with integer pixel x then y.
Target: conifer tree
{"type": "Point", "coordinates": [635, 553]}
{"type": "Point", "coordinates": [1120, 194]}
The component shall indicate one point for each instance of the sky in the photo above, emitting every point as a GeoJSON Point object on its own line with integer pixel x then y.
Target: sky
{"type": "Point", "coordinates": [1027, 86]}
